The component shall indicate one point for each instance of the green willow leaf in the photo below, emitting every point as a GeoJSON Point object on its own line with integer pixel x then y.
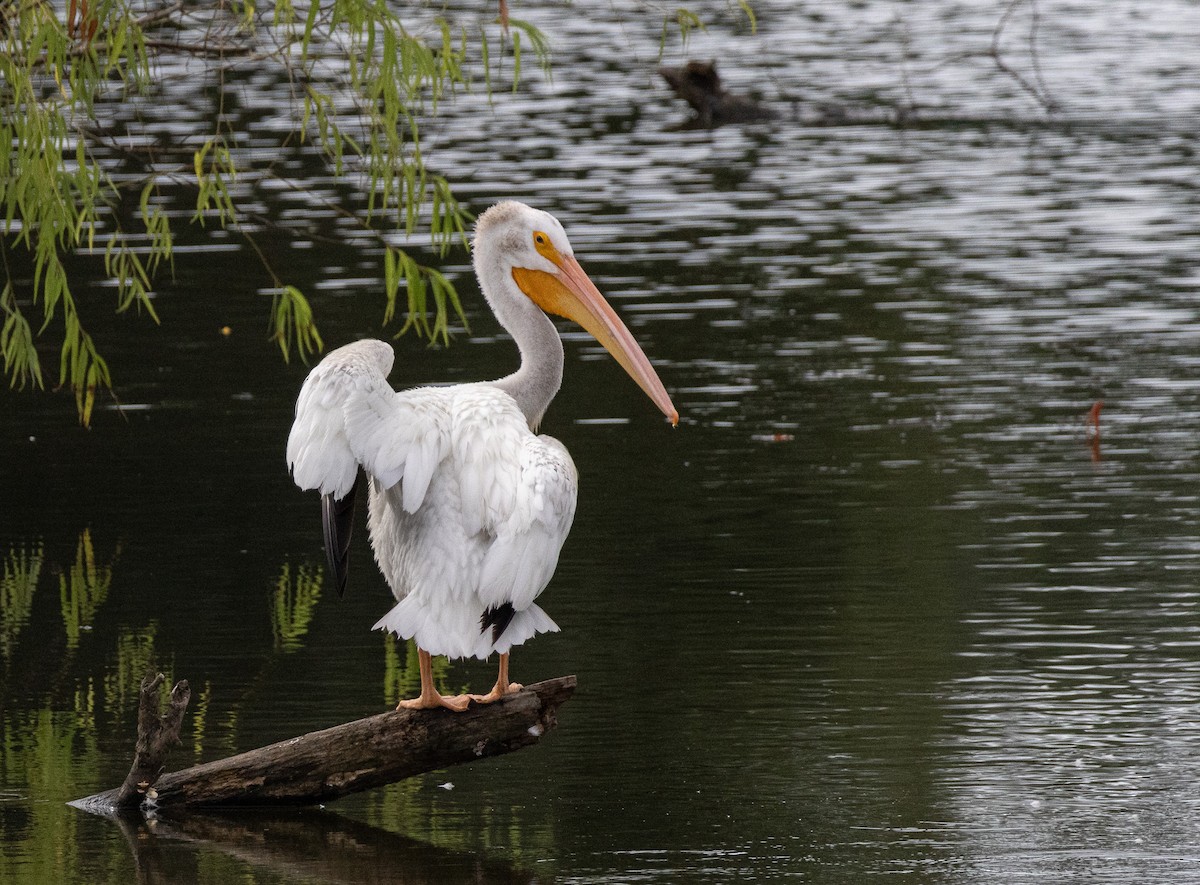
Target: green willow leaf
{"type": "Point", "coordinates": [73, 196]}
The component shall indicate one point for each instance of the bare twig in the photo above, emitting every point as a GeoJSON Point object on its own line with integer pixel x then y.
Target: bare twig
{"type": "Point", "coordinates": [1034, 24]}
{"type": "Point", "coordinates": [218, 50]}
{"type": "Point", "coordinates": [1040, 95]}
{"type": "Point", "coordinates": [1038, 91]}
{"type": "Point", "coordinates": [906, 53]}
{"type": "Point", "coordinates": [158, 15]}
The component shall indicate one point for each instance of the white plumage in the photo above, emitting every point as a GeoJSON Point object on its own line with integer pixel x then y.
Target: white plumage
{"type": "Point", "coordinates": [480, 527]}
{"type": "Point", "coordinates": [468, 507]}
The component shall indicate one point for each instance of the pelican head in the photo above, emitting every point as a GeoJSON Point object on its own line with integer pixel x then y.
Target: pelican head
{"type": "Point", "coordinates": [524, 254]}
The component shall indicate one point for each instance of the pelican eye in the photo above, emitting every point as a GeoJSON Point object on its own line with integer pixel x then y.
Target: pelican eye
{"type": "Point", "coordinates": [544, 247]}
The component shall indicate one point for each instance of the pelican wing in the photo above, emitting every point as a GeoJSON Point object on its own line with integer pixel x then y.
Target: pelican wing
{"type": "Point", "coordinates": [348, 416]}
{"type": "Point", "coordinates": [531, 530]}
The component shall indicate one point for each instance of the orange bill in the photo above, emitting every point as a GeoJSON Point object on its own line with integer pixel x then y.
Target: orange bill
{"type": "Point", "coordinates": [571, 294]}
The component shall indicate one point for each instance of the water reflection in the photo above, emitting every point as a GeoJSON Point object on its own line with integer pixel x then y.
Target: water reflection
{"type": "Point", "coordinates": [83, 588]}
{"type": "Point", "coordinates": [882, 605]}
{"type": "Point", "coordinates": [301, 845]}
{"type": "Point", "coordinates": [295, 600]}
{"type": "Point", "coordinates": [22, 566]}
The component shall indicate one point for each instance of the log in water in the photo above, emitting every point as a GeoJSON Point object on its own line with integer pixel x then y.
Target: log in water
{"type": "Point", "coordinates": [325, 765]}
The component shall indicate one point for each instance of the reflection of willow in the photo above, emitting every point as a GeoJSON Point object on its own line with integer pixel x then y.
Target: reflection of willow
{"type": "Point", "coordinates": [402, 679]}
{"type": "Point", "coordinates": [50, 740]}
{"type": "Point", "coordinates": [311, 845]}
{"type": "Point", "coordinates": [294, 599]}
{"type": "Point", "coordinates": [297, 592]}
{"type": "Point", "coordinates": [123, 679]}
{"type": "Point", "coordinates": [51, 749]}
{"type": "Point", "coordinates": [53, 752]}
{"type": "Point", "coordinates": [292, 608]}
{"type": "Point", "coordinates": [21, 569]}
{"type": "Point", "coordinates": [83, 588]}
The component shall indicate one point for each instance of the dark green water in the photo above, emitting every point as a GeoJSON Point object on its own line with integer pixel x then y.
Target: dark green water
{"type": "Point", "coordinates": [879, 606]}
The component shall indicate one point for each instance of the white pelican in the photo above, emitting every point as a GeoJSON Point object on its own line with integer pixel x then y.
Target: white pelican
{"type": "Point", "coordinates": [468, 507]}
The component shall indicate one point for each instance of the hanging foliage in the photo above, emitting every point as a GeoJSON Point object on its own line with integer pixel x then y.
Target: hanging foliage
{"type": "Point", "coordinates": [361, 84]}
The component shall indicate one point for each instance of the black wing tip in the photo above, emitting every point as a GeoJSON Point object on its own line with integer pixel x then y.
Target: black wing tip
{"type": "Point", "coordinates": [497, 617]}
{"type": "Point", "coordinates": [341, 575]}
{"type": "Point", "coordinates": [337, 521]}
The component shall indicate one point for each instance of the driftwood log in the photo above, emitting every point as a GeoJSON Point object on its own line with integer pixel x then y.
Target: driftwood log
{"type": "Point", "coordinates": [345, 759]}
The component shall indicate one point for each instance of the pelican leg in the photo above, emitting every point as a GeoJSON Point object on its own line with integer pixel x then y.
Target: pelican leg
{"type": "Point", "coordinates": [502, 687]}
{"type": "Point", "coordinates": [430, 698]}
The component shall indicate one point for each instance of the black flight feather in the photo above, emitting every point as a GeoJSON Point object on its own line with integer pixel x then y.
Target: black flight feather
{"type": "Point", "coordinates": [337, 522]}
{"type": "Point", "coordinates": [498, 618]}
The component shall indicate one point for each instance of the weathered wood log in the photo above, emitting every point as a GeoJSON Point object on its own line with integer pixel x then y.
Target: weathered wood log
{"type": "Point", "coordinates": [325, 765]}
{"type": "Point", "coordinates": [157, 734]}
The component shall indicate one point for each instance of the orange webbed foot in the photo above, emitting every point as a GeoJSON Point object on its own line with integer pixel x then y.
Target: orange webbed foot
{"type": "Point", "coordinates": [457, 703]}
{"type": "Point", "coordinates": [497, 693]}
